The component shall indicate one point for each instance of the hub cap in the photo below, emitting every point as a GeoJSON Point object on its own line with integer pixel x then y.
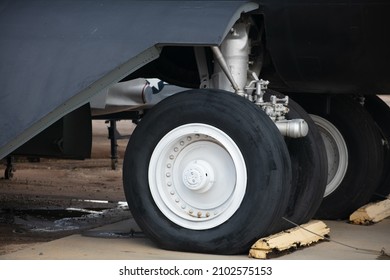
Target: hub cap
{"type": "Point", "coordinates": [197, 176]}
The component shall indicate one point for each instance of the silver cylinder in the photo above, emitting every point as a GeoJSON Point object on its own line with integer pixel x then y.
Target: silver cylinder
{"type": "Point", "coordinates": [235, 50]}
{"type": "Point", "coordinates": [295, 128]}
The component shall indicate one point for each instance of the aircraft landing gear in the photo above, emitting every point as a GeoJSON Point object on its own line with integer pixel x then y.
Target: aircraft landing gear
{"type": "Point", "coordinates": [9, 170]}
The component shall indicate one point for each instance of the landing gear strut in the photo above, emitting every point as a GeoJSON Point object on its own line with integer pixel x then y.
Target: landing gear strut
{"type": "Point", "coordinates": [114, 135]}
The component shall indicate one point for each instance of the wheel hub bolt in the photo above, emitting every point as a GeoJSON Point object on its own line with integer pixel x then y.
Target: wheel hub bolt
{"type": "Point", "coordinates": [198, 176]}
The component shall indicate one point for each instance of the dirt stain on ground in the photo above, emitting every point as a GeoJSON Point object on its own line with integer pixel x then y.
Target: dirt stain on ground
{"type": "Point", "coordinates": [52, 198]}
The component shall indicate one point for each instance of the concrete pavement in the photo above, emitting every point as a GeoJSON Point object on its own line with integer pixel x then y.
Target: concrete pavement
{"type": "Point", "coordinates": [112, 242]}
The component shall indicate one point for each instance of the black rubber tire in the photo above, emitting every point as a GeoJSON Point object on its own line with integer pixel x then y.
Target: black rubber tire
{"type": "Point", "coordinates": [365, 157]}
{"type": "Point", "coordinates": [267, 161]}
{"type": "Point", "coordinates": [380, 112]}
{"type": "Point", "coordinates": [309, 169]}
{"type": "Point", "coordinates": [8, 173]}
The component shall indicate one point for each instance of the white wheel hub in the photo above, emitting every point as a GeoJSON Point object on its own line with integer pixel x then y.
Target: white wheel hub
{"type": "Point", "coordinates": [336, 152]}
{"type": "Point", "coordinates": [197, 176]}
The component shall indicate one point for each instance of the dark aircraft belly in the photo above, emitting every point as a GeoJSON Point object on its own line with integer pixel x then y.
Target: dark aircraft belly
{"type": "Point", "coordinates": [330, 46]}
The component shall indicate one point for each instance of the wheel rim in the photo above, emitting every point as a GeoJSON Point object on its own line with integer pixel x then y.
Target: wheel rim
{"type": "Point", "coordinates": [197, 176]}
{"type": "Point", "coordinates": [336, 152]}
